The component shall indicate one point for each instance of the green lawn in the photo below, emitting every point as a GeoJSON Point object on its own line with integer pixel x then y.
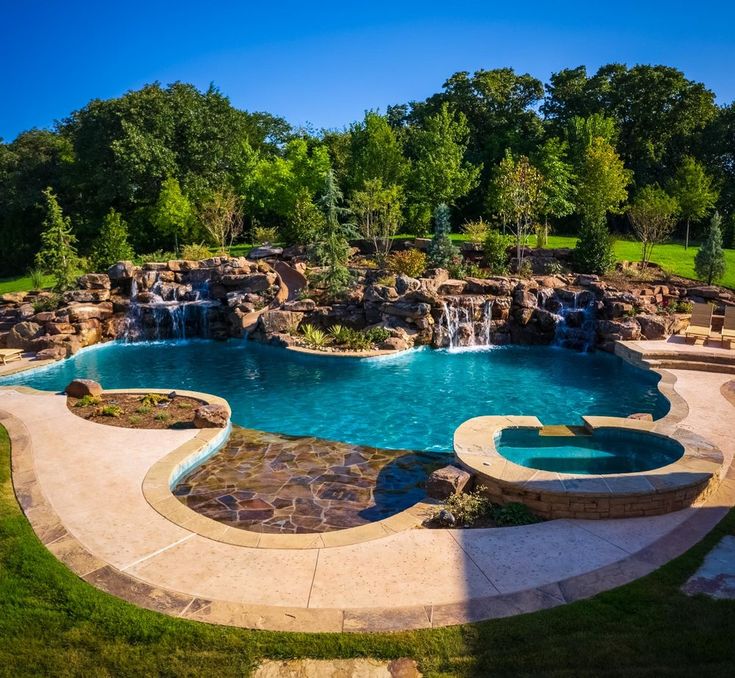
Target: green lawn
{"type": "Point", "coordinates": [52, 623]}
{"type": "Point", "coordinates": [672, 257]}
{"type": "Point", "coordinates": [22, 284]}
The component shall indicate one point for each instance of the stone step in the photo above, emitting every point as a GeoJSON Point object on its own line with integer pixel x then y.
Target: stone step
{"type": "Point", "coordinates": [695, 365]}
{"type": "Point", "coordinates": [724, 358]}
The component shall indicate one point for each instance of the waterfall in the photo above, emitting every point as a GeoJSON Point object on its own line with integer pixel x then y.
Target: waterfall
{"type": "Point", "coordinates": [575, 326]}
{"type": "Point", "coordinates": [167, 311]}
{"type": "Point", "coordinates": [464, 323]}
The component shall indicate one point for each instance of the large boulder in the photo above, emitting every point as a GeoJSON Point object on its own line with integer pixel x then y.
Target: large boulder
{"type": "Point", "coordinates": [654, 326]}
{"type": "Point", "coordinates": [94, 281]}
{"type": "Point", "coordinates": [81, 312]}
{"type": "Point", "coordinates": [445, 482]}
{"type": "Point", "coordinates": [279, 322]}
{"type": "Point", "coordinates": [122, 270]}
{"type": "Point", "coordinates": [405, 283]}
{"type": "Point", "coordinates": [79, 388]}
{"type": "Point", "coordinates": [404, 309]}
{"type": "Point", "coordinates": [211, 416]}
{"type": "Point", "coordinates": [22, 334]}
{"type": "Point", "coordinates": [265, 252]}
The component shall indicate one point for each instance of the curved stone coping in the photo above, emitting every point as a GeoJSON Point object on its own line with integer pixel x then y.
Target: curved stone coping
{"type": "Point", "coordinates": [165, 474]}
{"type": "Point", "coordinates": [672, 487]}
{"type": "Point", "coordinates": [375, 353]}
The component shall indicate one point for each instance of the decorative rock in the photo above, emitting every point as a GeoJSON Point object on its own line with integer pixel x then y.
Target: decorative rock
{"type": "Point", "coordinates": [211, 416]}
{"type": "Point", "coordinates": [279, 322]}
{"type": "Point", "coordinates": [393, 344]}
{"type": "Point", "coordinates": [265, 252]}
{"type": "Point", "coordinates": [121, 270]}
{"type": "Point", "coordinates": [22, 334]}
{"type": "Point", "coordinates": [94, 281]}
{"type": "Point", "coordinates": [452, 287]}
{"type": "Point", "coordinates": [447, 481]}
{"type": "Point", "coordinates": [446, 518]}
{"type": "Point", "coordinates": [300, 305]}
{"type": "Point", "coordinates": [53, 353]}
{"type": "Point", "coordinates": [83, 387]}
{"type": "Point", "coordinates": [13, 297]}
{"type": "Point", "coordinates": [405, 284]}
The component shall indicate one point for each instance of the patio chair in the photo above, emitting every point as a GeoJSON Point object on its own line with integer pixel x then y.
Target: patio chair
{"type": "Point", "coordinates": [700, 325]}
{"type": "Point", "coordinates": [8, 354]}
{"type": "Point", "coordinates": [728, 328]}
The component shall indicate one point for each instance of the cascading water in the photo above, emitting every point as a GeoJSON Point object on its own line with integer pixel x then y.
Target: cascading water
{"type": "Point", "coordinates": [466, 322]}
{"type": "Point", "coordinates": [575, 327]}
{"type": "Point", "coordinates": [167, 311]}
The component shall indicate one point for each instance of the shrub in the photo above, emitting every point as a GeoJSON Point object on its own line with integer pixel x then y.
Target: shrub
{"type": "Point", "coordinates": [683, 306]}
{"type": "Point", "coordinates": [339, 333]}
{"type": "Point", "coordinates": [162, 416]}
{"type": "Point", "coordinates": [467, 507]}
{"type": "Point", "coordinates": [357, 341]}
{"type": "Point", "coordinates": [473, 270]}
{"type": "Point", "coordinates": [526, 269]}
{"type": "Point", "coordinates": [496, 251]}
{"type": "Point", "coordinates": [263, 235]}
{"type": "Point", "coordinates": [37, 278]}
{"type": "Point", "coordinates": [110, 411]}
{"type": "Point", "coordinates": [476, 231]}
{"type": "Point", "coordinates": [87, 401]}
{"type": "Point", "coordinates": [195, 252]}
{"type": "Point", "coordinates": [364, 262]}
{"type": "Point", "coordinates": [46, 303]}
{"type": "Point", "coordinates": [314, 337]}
{"type": "Point", "coordinates": [377, 335]}
{"type": "Point", "coordinates": [134, 419]}
{"type": "Point", "coordinates": [512, 514]}
{"type": "Point", "coordinates": [158, 255]}
{"type": "Point", "coordinates": [143, 409]}
{"type": "Point", "coordinates": [594, 250]}
{"type": "Point", "coordinates": [152, 399]}
{"type": "Point", "coordinates": [409, 262]}
{"type": "Point", "coordinates": [387, 280]}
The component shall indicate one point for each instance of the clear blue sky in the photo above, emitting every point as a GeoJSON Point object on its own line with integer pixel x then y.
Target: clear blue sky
{"type": "Point", "coordinates": [325, 62]}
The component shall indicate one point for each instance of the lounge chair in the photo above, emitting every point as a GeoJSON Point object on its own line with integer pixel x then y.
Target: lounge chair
{"type": "Point", "coordinates": [728, 328]}
{"type": "Point", "coordinates": [8, 354]}
{"type": "Point", "coordinates": [700, 325]}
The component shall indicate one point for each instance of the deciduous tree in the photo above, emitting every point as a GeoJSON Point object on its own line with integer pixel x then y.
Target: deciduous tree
{"type": "Point", "coordinates": [694, 190]}
{"type": "Point", "coordinates": [111, 245]}
{"type": "Point", "coordinates": [653, 215]}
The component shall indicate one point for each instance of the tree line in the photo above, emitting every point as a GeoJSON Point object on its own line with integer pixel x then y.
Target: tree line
{"type": "Point", "coordinates": [643, 149]}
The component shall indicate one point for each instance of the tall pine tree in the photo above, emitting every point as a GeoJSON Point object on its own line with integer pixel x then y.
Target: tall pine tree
{"type": "Point", "coordinates": [709, 263]}
{"type": "Point", "coordinates": [58, 255]}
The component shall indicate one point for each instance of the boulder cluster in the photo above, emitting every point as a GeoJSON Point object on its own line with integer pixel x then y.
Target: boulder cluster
{"type": "Point", "coordinates": [269, 301]}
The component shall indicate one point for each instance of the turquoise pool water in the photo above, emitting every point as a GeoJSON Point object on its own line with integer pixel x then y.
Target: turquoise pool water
{"type": "Point", "coordinates": [413, 400]}
{"type": "Point", "coordinates": [606, 451]}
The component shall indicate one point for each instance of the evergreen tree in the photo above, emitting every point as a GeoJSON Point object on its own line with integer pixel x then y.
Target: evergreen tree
{"type": "Point", "coordinates": [112, 243]}
{"type": "Point", "coordinates": [332, 250]}
{"type": "Point", "coordinates": [593, 252]}
{"type": "Point", "coordinates": [441, 251]}
{"type": "Point", "coordinates": [709, 263]}
{"type": "Point", "coordinates": [57, 256]}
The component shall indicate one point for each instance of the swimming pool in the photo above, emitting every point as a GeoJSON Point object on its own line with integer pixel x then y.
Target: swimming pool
{"type": "Point", "coordinates": [413, 400]}
{"type": "Point", "coordinates": [605, 450]}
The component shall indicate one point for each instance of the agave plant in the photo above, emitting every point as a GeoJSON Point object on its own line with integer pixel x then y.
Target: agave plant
{"type": "Point", "coordinates": [314, 337]}
{"type": "Point", "coordinates": [340, 333]}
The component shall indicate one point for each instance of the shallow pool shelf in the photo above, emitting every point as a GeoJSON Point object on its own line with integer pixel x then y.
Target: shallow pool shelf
{"type": "Point", "coordinates": [610, 468]}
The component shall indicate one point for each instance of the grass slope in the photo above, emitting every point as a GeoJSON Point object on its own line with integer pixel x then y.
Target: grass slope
{"type": "Point", "coordinates": [54, 624]}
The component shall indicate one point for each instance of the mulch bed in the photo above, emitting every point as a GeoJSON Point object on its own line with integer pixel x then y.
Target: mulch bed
{"type": "Point", "coordinates": [137, 410]}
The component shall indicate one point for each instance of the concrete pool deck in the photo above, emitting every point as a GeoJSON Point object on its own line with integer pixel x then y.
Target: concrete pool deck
{"type": "Point", "coordinates": [80, 485]}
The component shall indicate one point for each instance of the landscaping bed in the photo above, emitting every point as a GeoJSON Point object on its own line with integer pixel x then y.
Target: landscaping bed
{"type": "Point", "coordinates": [137, 410]}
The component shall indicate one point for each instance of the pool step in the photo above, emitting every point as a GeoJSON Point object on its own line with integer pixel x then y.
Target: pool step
{"type": "Point", "coordinates": [697, 365]}
{"type": "Point", "coordinates": [564, 431]}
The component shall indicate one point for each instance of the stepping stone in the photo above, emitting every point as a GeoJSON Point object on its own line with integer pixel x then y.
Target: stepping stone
{"type": "Point", "coordinates": [716, 576]}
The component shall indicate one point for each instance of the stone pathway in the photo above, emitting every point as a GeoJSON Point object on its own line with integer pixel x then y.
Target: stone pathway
{"type": "Point", "coordinates": [80, 484]}
{"type": "Point", "coordinates": [272, 483]}
{"type": "Point", "coordinates": [716, 576]}
{"type": "Point", "coordinates": [338, 668]}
